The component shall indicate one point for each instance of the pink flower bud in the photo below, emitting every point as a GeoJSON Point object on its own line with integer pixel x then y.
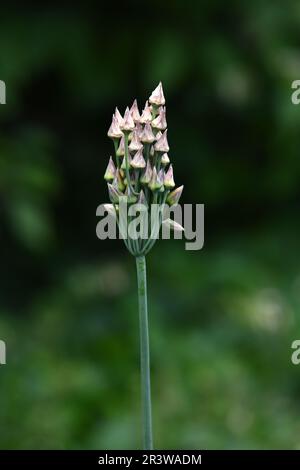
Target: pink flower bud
{"type": "Point", "coordinates": [146, 115]}
{"type": "Point", "coordinates": [135, 143]}
{"type": "Point", "coordinates": [165, 159]}
{"type": "Point", "coordinates": [134, 111]}
{"type": "Point", "coordinates": [160, 121]}
{"type": "Point", "coordinates": [128, 123]}
{"type": "Point", "coordinates": [114, 193]}
{"type": "Point", "coordinates": [157, 97]}
{"type": "Point", "coordinates": [169, 179]}
{"type": "Point", "coordinates": [110, 209]}
{"type": "Point", "coordinates": [138, 160]}
{"type": "Point", "coordinates": [123, 166]}
{"type": "Point", "coordinates": [161, 145]}
{"type": "Point", "coordinates": [146, 177]}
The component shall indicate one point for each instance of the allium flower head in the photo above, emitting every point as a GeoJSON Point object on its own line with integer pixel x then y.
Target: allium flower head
{"type": "Point", "coordinates": [142, 171]}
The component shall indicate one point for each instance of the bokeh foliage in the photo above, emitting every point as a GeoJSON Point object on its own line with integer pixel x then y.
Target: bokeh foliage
{"type": "Point", "coordinates": [222, 319]}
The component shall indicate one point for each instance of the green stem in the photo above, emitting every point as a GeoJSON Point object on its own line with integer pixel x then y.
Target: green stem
{"type": "Point", "coordinates": [144, 351]}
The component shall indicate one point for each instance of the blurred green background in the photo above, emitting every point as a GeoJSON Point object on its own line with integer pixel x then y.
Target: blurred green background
{"type": "Point", "coordinates": [222, 319]}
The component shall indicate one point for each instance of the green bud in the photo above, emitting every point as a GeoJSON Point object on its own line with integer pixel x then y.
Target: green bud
{"type": "Point", "coordinates": [135, 143]}
{"type": "Point", "coordinates": [172, 225]}
{"type": "Point", "coordinates": [138, 160]}
{"type": "Point", "coordinates": [118, 181]}
{"type": "Point", "coordinates": [114, 132]}
{"type": "Point", "coordinates": [131, 198]}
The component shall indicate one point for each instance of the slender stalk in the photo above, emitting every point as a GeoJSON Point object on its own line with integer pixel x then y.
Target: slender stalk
{"type": "Point", "coordinates": [144, 352]}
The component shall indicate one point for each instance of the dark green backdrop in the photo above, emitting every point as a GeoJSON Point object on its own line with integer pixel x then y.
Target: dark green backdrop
{"type": "Point", "coordinates": [222, 319]}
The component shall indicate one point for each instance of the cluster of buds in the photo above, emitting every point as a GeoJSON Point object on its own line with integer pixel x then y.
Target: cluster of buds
{"type": "Point", "coordinates": [141, 170]}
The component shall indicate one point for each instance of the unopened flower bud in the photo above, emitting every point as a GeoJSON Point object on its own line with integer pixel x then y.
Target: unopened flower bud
{"type": "Point", "coordinates": [156, 181]}
{"type": "Point", "coordinates": [174, 196]}
{"type": "Point", "coordinates": [128, 123]}
{"type": "Point", "coordinates": [161, 145]}
{"type": "Point", "coordinates": [142, 198]}
{"type": "Point", "coordinates": [118, 181]}
{"type": "Point", "coordinates": [114, 132]}
{"type": "Point", "coordinates": [165, 159]}
{"type": "Point", "coordinates": [130, 196]}
{"type": "Point", "coordinates": [110, 170]}
{"type": "Point", "coordinates": [147, 136]}
{"type": "Point", "coordinates": [151, 151]}
{"type": "Point", "coordinates": [114, 193]}
{"type": "Point", "coordinates": [110, 209]}
{"type": "Point", "coordinates": [139, 129]}
{"type": "Point", "coordinates": [121, 149]}
{"type": "Point", "coordinates": [157, 97]}
{"type": "Point", "coordinates": [169, 178]}
{"type": "Point", "coordinates": [135, 143]}
{"type": "Point", "coordinates": [138, 160]}
{"type": "Point", "coordinates": [146, 114]}
{"type": "Point", "coordinates": [123, 166]}
{"type": "Point", "coordinates": [134, 111]}
{"type": "Point", "coordinates": [172, 225]}
{"type": "Point", "coordinates": [160, 178]}
{"type": "Point", "coordinates": [160, 121]}
{"type": "Point", "coordinates": [146, 177]}
{"type": "Point", "coordinates": [118, 117]}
